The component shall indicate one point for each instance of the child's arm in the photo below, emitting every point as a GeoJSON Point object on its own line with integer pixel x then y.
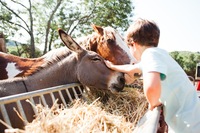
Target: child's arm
{"type": "Point", "coordinates": [127, 68]}
{"type": "Point", "coordinates": [152, 88]}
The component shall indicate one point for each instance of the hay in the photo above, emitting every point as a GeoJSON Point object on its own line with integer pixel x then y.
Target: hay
{"type": "Point", "coordinates": [119, 114]}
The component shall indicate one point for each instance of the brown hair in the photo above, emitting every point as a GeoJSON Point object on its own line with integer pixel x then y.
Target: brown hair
{"type": "Point", "coordinates": [143, 32]}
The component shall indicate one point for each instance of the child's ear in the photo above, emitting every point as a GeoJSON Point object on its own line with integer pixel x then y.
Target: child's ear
{"type": "Point", "coordinates": [135, 44]}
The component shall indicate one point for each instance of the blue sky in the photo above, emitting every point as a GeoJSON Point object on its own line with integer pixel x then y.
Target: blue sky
{"type": "Point", "coordinates": [178, 20]}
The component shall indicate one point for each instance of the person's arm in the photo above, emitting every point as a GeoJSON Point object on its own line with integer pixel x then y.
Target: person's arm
{"type": "Point", "coordinates": [127, 68]}
{"type": "Point", "coordinates": [152, 88]}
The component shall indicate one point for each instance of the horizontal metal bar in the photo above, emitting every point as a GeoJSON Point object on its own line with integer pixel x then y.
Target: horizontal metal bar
{"type": "Point", "coordinates": [27, 95]}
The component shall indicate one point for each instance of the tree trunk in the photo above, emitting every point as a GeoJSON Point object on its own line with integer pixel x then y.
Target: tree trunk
{"type": "Point", "coordinates": [49, 25]}
{"type": "Point", "coordinates": [32, 47]}
{"type": "Point", "coordinates": [2, 43]}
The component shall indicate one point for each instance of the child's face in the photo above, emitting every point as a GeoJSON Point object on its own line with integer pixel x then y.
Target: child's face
{"type": "Point", "coordinates": [134, 51]}
{"type": "Point", "coordinates": [133, 47]}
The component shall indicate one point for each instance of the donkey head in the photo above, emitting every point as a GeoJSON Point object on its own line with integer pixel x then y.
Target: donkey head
{"type": "Point", "coordinates": [91, 70]}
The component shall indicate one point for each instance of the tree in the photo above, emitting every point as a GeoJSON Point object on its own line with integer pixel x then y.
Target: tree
{"type": "Point", "coordinates": [41, 19]}
{"type": "Point", "coordinates": [187, 60]}
{"type": "Point", "coordinates": [116, 13]}
{"type": "Point", "coordinates": [177, 58]}
{"type": "Point", "coordinates": [20, 21]}
{"type": "Point", "coordinates": [113, 13]}
{"type": "Point", "coordinates": [55, 7]}
{"type": "Point", "coordinates": [25, 18]}
{"type": "Point", "coordinates": [77, 18]}
{"type": "Point", "coordinates": [2, 43]}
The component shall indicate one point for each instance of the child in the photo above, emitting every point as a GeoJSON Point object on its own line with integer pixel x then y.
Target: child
{"type": "Point", "coordinates": [164, 81]}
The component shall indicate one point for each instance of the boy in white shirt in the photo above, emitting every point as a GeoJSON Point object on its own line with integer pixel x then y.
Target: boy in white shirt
{"type": "Point", "coordinates": [164, 81]}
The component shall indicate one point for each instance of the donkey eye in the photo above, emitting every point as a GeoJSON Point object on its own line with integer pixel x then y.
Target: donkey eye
{"type": "Point", "coordinates": [96, 59]}
{"type": "Point", "coordinates": [110, 41]}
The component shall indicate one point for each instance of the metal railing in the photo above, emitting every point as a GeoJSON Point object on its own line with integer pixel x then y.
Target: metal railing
{"type": "Point", "coordinates": [39, 93]}
{"type": "Point", "coordinates": [149, 123]}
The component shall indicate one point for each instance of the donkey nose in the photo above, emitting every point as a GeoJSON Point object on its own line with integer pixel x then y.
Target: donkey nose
{"type": "Point", "coordinates": [121, 79]}
{"type": "Point", "coordinates": [121, 83]}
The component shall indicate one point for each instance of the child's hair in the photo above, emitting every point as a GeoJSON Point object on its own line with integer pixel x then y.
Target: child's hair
{"type": "Point", "coordinates": [143, 32]}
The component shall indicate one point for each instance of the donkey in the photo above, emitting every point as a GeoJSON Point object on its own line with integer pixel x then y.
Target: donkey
{"type": "Point", "coordinates": [58, 67]}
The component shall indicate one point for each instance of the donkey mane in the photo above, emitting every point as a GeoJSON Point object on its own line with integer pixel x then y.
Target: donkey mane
{"type": "Point", "coordinates": [46, 61]}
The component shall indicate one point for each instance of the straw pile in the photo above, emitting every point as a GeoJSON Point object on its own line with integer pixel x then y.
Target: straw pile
{"type": "Point", "coordinates": [119, 114]}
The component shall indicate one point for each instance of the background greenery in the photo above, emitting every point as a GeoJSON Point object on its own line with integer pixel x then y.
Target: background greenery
{"type": "Point", "coordinates": [187, 60]}
{"type": "Point", "coordinates": [38, 20]}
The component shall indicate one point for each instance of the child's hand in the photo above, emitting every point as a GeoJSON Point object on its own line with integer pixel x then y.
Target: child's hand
{"type": "Point", "coordinates": [108, 63]}
{"type": "Point", "coordinates": [151, 107]}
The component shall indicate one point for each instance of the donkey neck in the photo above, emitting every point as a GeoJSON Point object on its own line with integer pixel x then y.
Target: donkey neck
{"type": "Point", "coordinates": [60, 71]}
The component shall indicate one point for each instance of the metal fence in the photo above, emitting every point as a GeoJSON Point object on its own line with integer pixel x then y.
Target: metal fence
{"type": "Point", "coordinates": [39, 93]}
{"type": "Point", "coordinates": [149, 122]}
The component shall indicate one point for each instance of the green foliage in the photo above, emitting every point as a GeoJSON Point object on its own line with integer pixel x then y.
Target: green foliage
{"type": "Point", "coordinates": [22, 50]}
{"type": "Point", "coordinates": [5, 18]}
{"type": "Point", "coordinates": [187, 60]}
{"type": "Point", "coordinates": [113, 13]}
{"type": "Point", "coordinates": [79, 16]}
{"type": "Point", "coordinates": [38, 20]}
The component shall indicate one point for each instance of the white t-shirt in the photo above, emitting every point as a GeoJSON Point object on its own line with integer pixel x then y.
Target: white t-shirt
{"type": "Point", "coordinates": [178, 95]}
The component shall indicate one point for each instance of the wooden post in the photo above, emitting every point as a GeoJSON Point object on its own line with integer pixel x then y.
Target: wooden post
{"type": "Point", "coordinates": [2, 43]}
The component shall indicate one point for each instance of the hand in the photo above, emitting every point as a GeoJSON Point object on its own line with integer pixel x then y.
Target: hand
{"type": "Point", "coordinates": [108, 63]}
{"type": "Point", "coordinates": [151, 107]}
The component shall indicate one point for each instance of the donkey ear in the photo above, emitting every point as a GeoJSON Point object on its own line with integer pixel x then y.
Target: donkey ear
{"type": "Point", "coordinates": [97, 29]}
{"type": "Point", "coordinates": [69, 42]}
